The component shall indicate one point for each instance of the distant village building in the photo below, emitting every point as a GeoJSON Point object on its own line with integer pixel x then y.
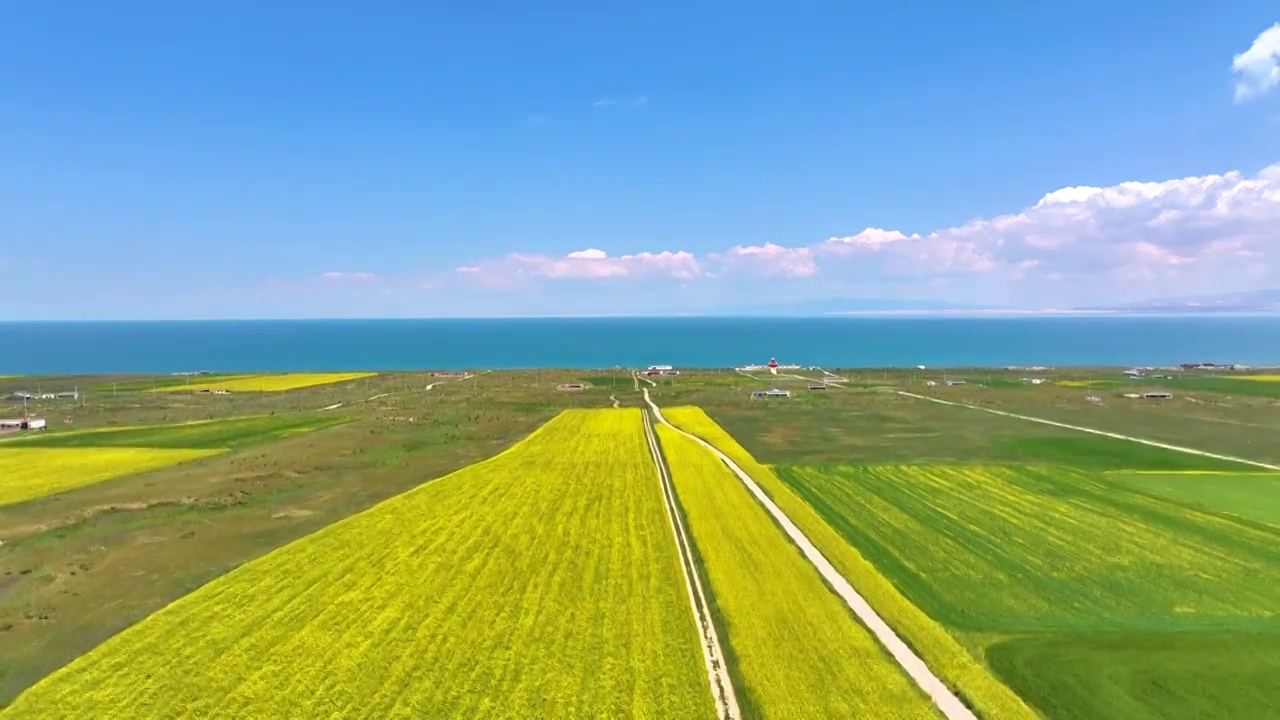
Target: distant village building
{"type": "Point", "coordinates": [817, 385]}
{"type": "Point", "coordinates": [571, 386]}
{"type": "Point", "coordinates": [1157, 395]}
{"type": "Point", "coordinates": [771, 393]}
{"type": "Point", "coordinates": [15, 424]}
{"type": "Point", "coordinates": [661, 370]}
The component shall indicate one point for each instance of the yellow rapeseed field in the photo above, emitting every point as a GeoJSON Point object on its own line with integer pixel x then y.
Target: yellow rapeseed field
{"type": "Point", "coordinates": [542, 583]}
{"type": "Point", "coordinates": [797, 650]}
{"type": "Point", "coordinates": [27, 473]}
{"type": "Point", "coordinates": [1257, 378]}
{"type": "Point", "coordinates": [264, 383]}
{"type": "Point", "coordinates": [989, 697]}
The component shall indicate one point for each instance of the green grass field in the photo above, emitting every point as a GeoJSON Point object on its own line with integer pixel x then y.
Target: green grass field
{"type": "Point", "coordinates": [1255, 496]}
{"type": "Point", "coordinates": [1145, 676]}
{"type": "Point", "coordinates": [1021, 549]}
{"type": "Point", "coordinates": [1083, 575]}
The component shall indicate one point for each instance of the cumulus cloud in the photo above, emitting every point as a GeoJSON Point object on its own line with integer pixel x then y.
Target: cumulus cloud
{"type": "Point", "coordinates": [1258, 68]}
{"type": "Point", "coordinates": [1206, 233]}
{"type": "Point", "coordinates": [590, 263]}
{"type": "Point", "coordinates": [769, 260]}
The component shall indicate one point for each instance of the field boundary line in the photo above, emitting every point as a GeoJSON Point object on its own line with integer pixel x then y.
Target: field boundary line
{"type": "Point", "coordinates": [947, 702]}
{"type": "Point", "coordinates": [1103, 433]}
{"type": "Point", "coordinates": [712, 652]}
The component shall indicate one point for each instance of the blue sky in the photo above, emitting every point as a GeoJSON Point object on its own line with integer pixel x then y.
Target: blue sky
{"type": "Point", "coordinates": [329, 160]}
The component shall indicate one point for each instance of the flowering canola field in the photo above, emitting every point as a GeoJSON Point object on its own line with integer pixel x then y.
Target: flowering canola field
{"type": "Point", "coordinates": [1032, 547]}
{"type": "Point", "coordinates": [542, 583]}
{"type": "Point", "coordinates": [263, 383]}
{"type": "Point", "coordinates": [948, 659]}
{"type": "Point", "coordinates": [795, 649]}
{"type": "Point", "coordinates": [27, 473]}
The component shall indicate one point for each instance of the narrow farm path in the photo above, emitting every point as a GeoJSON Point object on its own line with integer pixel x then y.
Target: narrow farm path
{"type": "Point", "coordinates": [1092, 431]}
{"type": "Point", "coordinates": [335, 406]}
{"type": "Point", "coordinates": [712, 651]}
{"type": "Point", "coordinates": [946, 701]}
{"type": "Point", "coordinates": [746, 374]}
{"type": "Point", "coordinates": [614, 399]}
{"type": "Point", "coordinates": [641, 377]}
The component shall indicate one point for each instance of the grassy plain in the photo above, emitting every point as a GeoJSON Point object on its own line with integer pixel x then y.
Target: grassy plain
{"type": "Point", "coordinates": [34, 472]}
{"type": "Point", "coordinates": [227, 433]}
{"type": "Point", "coordinates": [541, 583]}
{"type": "Point", "coordinates": [259, 383]}
{"type": "Point", "coordinates": [791, 640]}
{"type": "Point", "coordinates": [964, 673]}
{"type": "Point", "coordinates": [80, 566]}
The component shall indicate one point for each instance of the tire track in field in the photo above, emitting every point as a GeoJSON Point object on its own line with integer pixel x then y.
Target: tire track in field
{"type": "Point", "coordinates": [947, 702]}
{"type": "Point", "coordinates": [1103, 433]}
{"type": "Point", "coordinates": [712, 652]}
{"type": "Point", "coordinates": [335, 406]}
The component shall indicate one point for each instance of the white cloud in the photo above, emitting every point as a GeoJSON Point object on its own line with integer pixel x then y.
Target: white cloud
{"type": "Point", "coordinates": [590, 263]}
{"type": "Point", "coordinates": [1211, 233]}
{"type": "Point", "coordinates": [1258, 68]}
{"type": "Point", "coordinates": [349, 276]}
{"type": "Point", "coordinates": [769, 260]}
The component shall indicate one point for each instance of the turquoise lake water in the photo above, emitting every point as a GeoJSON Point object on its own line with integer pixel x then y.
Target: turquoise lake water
{"type": "Point", "coordinates": [277, 345]}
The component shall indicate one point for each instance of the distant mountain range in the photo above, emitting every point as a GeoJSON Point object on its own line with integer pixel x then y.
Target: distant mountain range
{"type": "Point", "coordinates": [852, 306]}
{"type": "Point", "coordinates": [1256, 301]}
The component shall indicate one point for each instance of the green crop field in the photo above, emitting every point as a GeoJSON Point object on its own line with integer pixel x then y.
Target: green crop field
{"type": "Point", "coordinates": [1018, 549]}
{"type": "Point", "coordinates": [541, 583]}
{"type": "Point", "coordinates": [791, 640]}
{"type": "Point", "coordinates": [1115, 603]}
{"type": "Point", "coordinates": [1255, 496]}
{"type": "Point", "coordinates": [1145, 676]}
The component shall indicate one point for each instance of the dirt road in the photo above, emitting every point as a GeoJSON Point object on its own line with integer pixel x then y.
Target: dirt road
{"type": "Point", "coordinates": [1104, 433]}
{"type": "Point", "coordinates": [712, 651]}
{"type": "Point", "coordinates": [946, 701]}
